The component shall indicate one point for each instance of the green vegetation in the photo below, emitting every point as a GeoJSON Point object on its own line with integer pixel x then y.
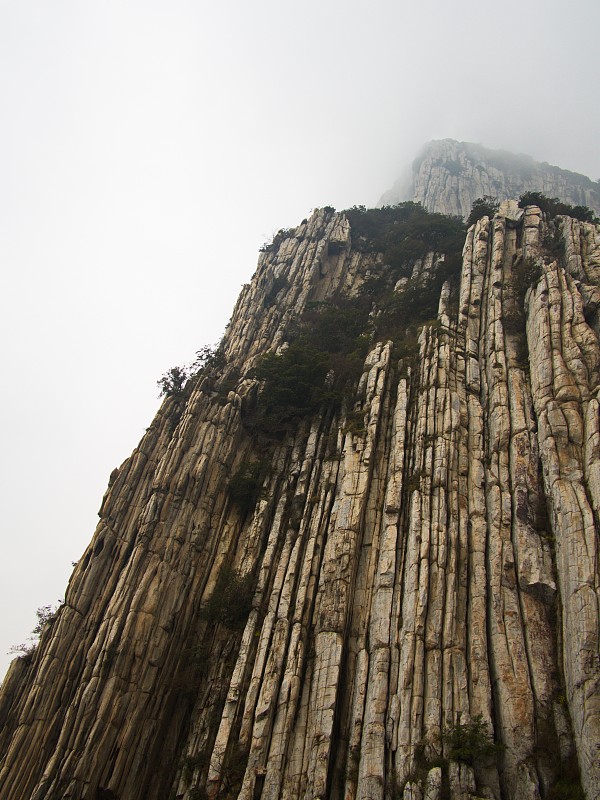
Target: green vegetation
{"type": "Point", "coordinates": [293, 386]}
{"type": "Point", "coordinates": [454, 167]}
{"type": "Point", "coordinates": [244, 486]}
{"type": "Point", "coordinates": [190, 764]}
{"type": "Point", "coordinates": [172, 382]}
{"type": "Point", "coordinates": [324, 359]}
{"type": "Point", "coordinates": [45, 618]}
{"type": "Point", "coordinates": [208, 360]}
{"type": "Point", "coordinates": [278, 284]}
{"type": "Point", "coordinates": [568, 782]}
{"type": "Point", "coordinates": [485, 206]}
{"type": "Point", "coordinates": [278, 238]}
{"type": "Point", "coordinates": [552, 206]}
{"type": "Point", "coordinates": [525, 274]}
{"type": "Point", "coordinates": [231, 600]}
{"type": "Point", "coordinates": [404, 233]}
{"type": "Point", "coordinates": [470, 742]}
{"type": "Point", "coordinates": [403, 313]}
{"type": "Point", "coordinates": [355, 423]}
{"type": "Point", "coordinates": [197, 793]}
{"type": "Point", "coordinates": [553, 242]}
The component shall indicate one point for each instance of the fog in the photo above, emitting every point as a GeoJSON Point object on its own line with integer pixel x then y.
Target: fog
{"type": "Point", "coordinates": [148, 149]}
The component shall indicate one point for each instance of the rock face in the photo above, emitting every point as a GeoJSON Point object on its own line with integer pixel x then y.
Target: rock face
{"type": "Point", "coordinates": [408, 604]}
{"type": "Point", "coordinates": [449, 176]}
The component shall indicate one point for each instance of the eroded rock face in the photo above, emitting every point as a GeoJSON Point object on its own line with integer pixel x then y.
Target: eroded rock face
{"type": "Point", "coordinates": [423, 558]}
{"type": "Point", "coordinates": [449, 176]}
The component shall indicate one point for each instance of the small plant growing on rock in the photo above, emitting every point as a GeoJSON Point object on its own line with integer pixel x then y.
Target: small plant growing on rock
{"type": "Point", "coordinates": [470, 742]}
{"type": "Point", "coordinates": [190, 764]}
{"type": "Point", "coordinates": [172, 382]}
{"type": "Point", "coordinates": [45, 618]}
{"type": "Point", "coordinates": [197, 793]}
{"type": "Point", "coordinates": [485, 206]}
{"type": "Point", "coordinates": [279, 283]}
{"type": "Point", "coordinates": [278, 238]}
{"type": "Point", "coordinates": [525, 274]}
{"type": "Point", "coordinates": [568, 783]}
{"type": "Point", "coordinates": [355, 423]}
{"type": "Point", "coordinates": [209, 358]}
{"type": "Point", "coordinates": [245, 483]}
{"type": "Point", "coordinates": [231, 600]}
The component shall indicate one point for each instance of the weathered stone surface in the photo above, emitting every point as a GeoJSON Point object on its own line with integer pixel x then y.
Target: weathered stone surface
{"type": "Point", "coordinates": [448, 176]}
{"type": "Point", "coordinates": [422, 558]}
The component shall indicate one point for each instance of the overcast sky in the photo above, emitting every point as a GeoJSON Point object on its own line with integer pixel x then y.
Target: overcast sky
{"type": "Point", "coordinates": [147, 150]}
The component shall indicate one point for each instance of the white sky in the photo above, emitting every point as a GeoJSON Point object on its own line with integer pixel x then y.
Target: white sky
{"type": "Point", "coordinates": [148, 148]}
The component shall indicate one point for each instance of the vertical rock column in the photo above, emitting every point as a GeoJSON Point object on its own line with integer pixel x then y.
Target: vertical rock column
{"type": "Point", "coordinates": [508, 652]}
{"type": "Point", "coordinates": [367, 735]}
{"type": "Point", "coordinates": [565, 363]}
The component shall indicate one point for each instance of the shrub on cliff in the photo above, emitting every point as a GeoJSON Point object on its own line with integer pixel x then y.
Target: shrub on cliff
{"type": "Point", "coordinates": [327, 348]}
{"type": "Point", "coordinates": [485, 206]}
{"type": "Point", "coordinates": [320, 365]}
{"type": "Point", "coordinates": [172, 382]}
{"type": "Point", "coordinates": [567, 785]}
{"type": "Point", "coordinates": [209, 358]}
{"type": "Point", "coordinates": [525, 273]}
{"type": "Point", "coordinates": [231, 600]}
{"type": "Point", "coordinates": [278, 238]}
{"type": "Point", "coordinates": [404, 233]}
{"type": "Point", "coordinates": [552, 206]}
{"type": "Point", "coordinates": [45, 618]}
{"type": "Point", "coordinates": [209, 361]}
{"type": "Point", "coordinates": [340, 329]}
{"type": "Point", "coordinates": [293, 386]}
{"type": "Point", "coordinates": [470, 742]}
{"type": "Point", "coordinates": [245, 483]}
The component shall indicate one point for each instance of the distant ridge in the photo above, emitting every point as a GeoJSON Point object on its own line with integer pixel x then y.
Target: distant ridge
{"type": "Point", "coordinates": [449, 175]}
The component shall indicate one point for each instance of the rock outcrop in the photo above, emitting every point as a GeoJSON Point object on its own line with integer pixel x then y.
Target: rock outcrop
{"type": "Point", "coordinates": [449, 176]}
{"type": "Point", "coordinates": [405, 601]}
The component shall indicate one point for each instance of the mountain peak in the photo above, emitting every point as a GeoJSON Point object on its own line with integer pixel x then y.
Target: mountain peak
{"type": "Point", "coordinates": [448, 176]}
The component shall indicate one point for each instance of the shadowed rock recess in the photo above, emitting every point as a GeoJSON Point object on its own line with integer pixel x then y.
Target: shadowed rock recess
{"type": "Point", "coordinates": [387, 588]}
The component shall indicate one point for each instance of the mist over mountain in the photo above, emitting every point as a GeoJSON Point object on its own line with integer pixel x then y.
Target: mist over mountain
{"type": "Point", "coordinates": [448, 176]}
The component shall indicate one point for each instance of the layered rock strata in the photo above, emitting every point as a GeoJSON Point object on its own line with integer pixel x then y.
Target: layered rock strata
{"type": "Point", "coordinates": [423, 561]}
{"type": "Point", "coordinates": [449, 176]}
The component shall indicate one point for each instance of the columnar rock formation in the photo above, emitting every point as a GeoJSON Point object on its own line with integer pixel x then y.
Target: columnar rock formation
{"type": "Point", "coordinates": [449, 176]}
{"type": "Point", "coordinates": [422, 559]}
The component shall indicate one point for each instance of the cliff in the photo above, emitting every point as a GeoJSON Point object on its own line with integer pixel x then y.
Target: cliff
{"type": "Point", "coordinates": [449, 176]}
{"type": "Point", "coordinates": [365, 566]}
